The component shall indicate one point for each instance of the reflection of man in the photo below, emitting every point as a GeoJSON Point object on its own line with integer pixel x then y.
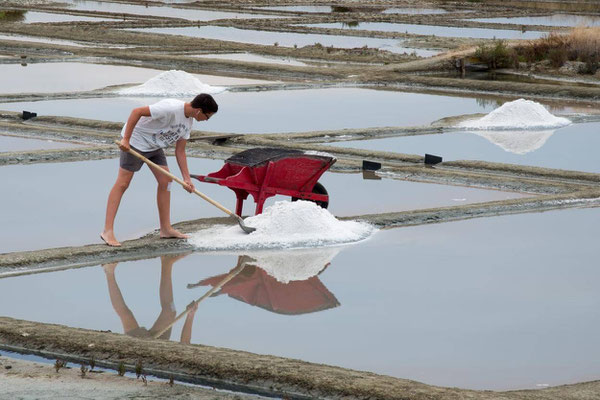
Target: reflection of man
{"type": "Point", "coordinates": [167, 313]}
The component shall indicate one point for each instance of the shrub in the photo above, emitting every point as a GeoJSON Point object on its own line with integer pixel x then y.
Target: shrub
{"type": "Point", "coordinates": [557, 56]}
{"type": "Point", "coordinates": [580, 44]}
{"type": "Point", "coordinates": [497, 55]}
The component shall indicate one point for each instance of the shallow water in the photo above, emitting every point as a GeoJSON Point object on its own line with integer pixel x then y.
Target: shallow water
{"type": "Point", "coordinates": [43, 199]}
{"type": "Point", "coordinates": [14, 143]}
{"type": "Point", "coordinates": [571, 148]}
{"type": "Point", "coordinates": [36, 39]}
{"type": "Point", "coordinates": [414, 11]}
{"type": "Point", "coordinates": [307, 9]}
{"type": "Point", "coordinates": [288, 39]}
{"type": "Point", "coordinates": [249, 57]}
{"type": "Point", "coordinates": [68, 77]}
{"type": "Point", "coordinates": [166, 11]}
{"type": "Point", "coordinates": [52, 77]}
{"type": "Point", "coordinates": [548, 20]}
{"type": "Point", "coordinates": [36, 16]}
{"type": "Point", "coordinates": [444, 31]}
{"type": "Point", "coordinates": [285, 110]}
{"type": "Point", "coordinates": [496, 303]}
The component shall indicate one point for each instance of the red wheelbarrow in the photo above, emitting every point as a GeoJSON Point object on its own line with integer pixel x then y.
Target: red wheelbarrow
{"type": "Point", "coordinates": [265, 172]}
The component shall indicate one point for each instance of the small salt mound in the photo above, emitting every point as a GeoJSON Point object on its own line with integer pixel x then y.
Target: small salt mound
{"type": "Point", "coordinates": [518, 114]}
{"type": "Point", "coordinates": [517, 142]}
{"type": "Point", "coordinates": [285, 224]}
{"type": "Point", "coordinates": [294, 265]}
{"type": "Point", "coordinates": [172, 83]}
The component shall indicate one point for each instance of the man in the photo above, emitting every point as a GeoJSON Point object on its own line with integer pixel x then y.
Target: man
{"type": "Point", "coordinates": [149, 130]}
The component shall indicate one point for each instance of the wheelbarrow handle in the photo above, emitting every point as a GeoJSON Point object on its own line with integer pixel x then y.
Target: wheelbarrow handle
{"type": "Point", "coordinates": [156, 167]}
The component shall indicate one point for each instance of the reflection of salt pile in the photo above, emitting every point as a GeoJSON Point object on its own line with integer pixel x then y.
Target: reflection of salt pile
{"type": "Point", "coordinates": [517, 142]}
{"type": "Point", "coordinates": [294, 265]}
{"type": "Point", "coordinates": [172, 83]}
{"type": "Point", "coordinates": [531, 118]}
{"type": "Point", "coordinates": [518, 114]}
{"type": "Point", "coordinates": [284, 225]}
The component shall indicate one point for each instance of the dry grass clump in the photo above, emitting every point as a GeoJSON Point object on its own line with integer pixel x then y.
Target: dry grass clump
{"type": "Point", "coordinates": [581, 44]}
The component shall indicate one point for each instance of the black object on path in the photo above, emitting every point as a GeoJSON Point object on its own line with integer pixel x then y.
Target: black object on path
{"type": "Point", "coordinates": [430, 159]}
{"type": "Point", "coordinates": [28, 115]}
{"type": "Point", "coordinates": [370, 165]}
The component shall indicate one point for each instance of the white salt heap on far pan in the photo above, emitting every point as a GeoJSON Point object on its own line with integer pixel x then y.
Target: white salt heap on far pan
{"type": "Point", "coordinates": [172, 83]}
{"type": "Point", "coordinates": [519, 126]}
{"type": "Point", "coordinates": [518, 114]}
{"type": "Point", "coordinates": [285, 224]}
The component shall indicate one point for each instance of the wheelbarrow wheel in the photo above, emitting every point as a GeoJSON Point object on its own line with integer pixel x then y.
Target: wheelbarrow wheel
{"type": "Point", "coordinates": [317, 189]}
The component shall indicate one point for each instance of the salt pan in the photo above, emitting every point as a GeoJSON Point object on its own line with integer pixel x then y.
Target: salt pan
{"type": "Point", "coordinates": [518, 114]}
{"type": "Point", "coordinates": [172, 83]}
{"type": "Point", "coordinates": [285, 224]}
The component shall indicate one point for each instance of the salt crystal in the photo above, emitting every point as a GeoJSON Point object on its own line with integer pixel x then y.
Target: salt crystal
{"type": "Point", "coordinates": [519, 114]}
{"type": "Point", "coordinates": [285, 224]}
{"type": "Point", "coordinates": [172, 83]}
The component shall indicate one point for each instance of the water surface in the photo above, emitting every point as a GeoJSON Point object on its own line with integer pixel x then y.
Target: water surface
{"type": "Point", "coordinates": [285, 110]}
{"type": "Point", "coordinates": [288, 39]}
{"type": "Point", "coordinates": [14, 143]}
{"type": "Point", "coordinates": [494, 303]}
{"type": "Point", "coordinates": [249, 57]}
{"type": "Point", "coordinates": [36, 39]}
{"type": "Point", "coordinates": [42, 208]}
{"type": "Point", "coordinates": [414, 11]}
{"type": "Point", "coordinates": [548, 20]}
{"type": "Point", "coordinates": [190, 14]}
{"type": "Point", "coordinates": [75, 76]}
{"type": "Point", "coordinates": [571, 148]}
{"type": "Point", "coordinates": [434, 30]}
{"type": "Point", "coordinates": [44, 17]}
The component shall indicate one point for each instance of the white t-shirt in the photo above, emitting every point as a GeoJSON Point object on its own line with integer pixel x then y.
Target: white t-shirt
{"type": "Point", "coordinates": [166, 125]}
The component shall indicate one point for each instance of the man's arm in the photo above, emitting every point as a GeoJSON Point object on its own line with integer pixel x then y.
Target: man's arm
{"type": "Point", "coordinates": [182, 162]}
{"type": "Point", "coordinates": [132, 121]}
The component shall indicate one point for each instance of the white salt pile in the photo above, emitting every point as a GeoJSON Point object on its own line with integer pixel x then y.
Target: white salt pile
{"type": "Point", "coordinates": [518, 114]}
{"type": "Point", "coordinates": [517, 142]}
{"type": "Point", "coordinates": [285, 224]}
{"type": "Point", "coordinates": [172, 83]}
{"type": "Point", "coordinates": [294, 265]}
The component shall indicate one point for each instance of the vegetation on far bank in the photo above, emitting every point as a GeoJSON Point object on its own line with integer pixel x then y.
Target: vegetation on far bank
{"type": "Point", "coordinates": [580, 47]}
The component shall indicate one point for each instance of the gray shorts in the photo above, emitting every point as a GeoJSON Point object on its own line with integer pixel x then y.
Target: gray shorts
{"type": "Point", "coordinates": [131, 163]}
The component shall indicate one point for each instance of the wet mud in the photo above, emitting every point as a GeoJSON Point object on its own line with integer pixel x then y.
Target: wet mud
{"type": "Point", "coordinates": [243, 371]}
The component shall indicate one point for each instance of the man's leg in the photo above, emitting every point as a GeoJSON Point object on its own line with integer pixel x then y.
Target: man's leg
{"type": "Point", "coordinates": [163, 200]}
{"type": "Point", "coordinates": [117, 301]}
{"type": "Point", "coordinates": [114, 199]}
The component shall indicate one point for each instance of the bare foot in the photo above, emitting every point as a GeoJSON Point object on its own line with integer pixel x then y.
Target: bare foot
{"type": "Point", "coordinates": [172, 233]}
{"type": "Point", "coordinates": [110, 239]}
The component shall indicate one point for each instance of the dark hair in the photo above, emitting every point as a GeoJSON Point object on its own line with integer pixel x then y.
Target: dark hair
{"type": "Point", "coordinates": [205, 102]}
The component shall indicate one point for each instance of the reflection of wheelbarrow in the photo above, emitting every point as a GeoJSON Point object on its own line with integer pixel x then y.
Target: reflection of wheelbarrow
{"type": "Point", "coordinates": [265, 172]}
{"type": "Point", "coordinates": [254, 286]}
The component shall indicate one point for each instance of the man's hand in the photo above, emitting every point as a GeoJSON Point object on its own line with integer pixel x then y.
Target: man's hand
{"type": "Point", "coordinates": [189, 186]}
{"type": "Point", "coordinates": [124, 145]}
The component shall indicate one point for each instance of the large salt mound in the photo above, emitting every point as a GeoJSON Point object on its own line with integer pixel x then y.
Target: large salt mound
{"type": "Point", "coordinates": [172, 83]}
{"type": "Point", "coordinates": [518, 114]}
{"type": "Point", "coordinates": [294, 265]}
{"type": "Point", "coordinates": [285, 224]}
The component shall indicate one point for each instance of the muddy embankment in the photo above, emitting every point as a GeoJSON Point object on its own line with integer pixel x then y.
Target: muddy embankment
{"type": "Point", "coordinates": [243, 371]}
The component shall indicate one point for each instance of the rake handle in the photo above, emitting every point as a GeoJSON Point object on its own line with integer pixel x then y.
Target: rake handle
{"type": "Point", "coordinates": [176, 179]}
